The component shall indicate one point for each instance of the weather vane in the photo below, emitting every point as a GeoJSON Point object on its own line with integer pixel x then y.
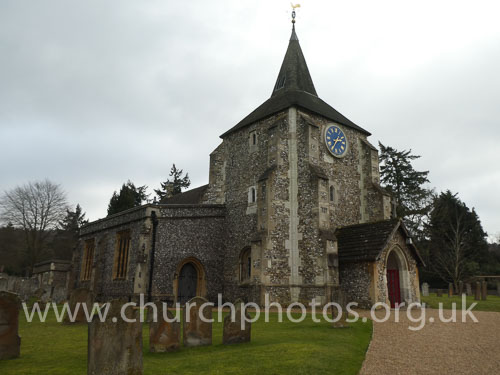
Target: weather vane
{"type": "Point", "coordinates": [293, 11]}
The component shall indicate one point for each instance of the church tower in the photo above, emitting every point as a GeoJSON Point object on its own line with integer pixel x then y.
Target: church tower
{"type": "Point", "coordinates": [293, 212]}
{"type": "Point", "coordinates": [290, 173]}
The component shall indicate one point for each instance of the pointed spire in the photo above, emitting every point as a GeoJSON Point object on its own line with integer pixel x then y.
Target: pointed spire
{"type": "Point", "coordinates": [294, 74]}
{"type": "Point", "coordinates": [294, 34]}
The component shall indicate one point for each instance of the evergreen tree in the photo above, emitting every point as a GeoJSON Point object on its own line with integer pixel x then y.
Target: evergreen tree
{"type": "Point", "coordinates": [457, 246]}
{"type": "Point", "coordinates": [413, 200]}
{"type": "Point", "coordinates": [73, 220]}
{"type": "Point", "coordinates": [12, 250]}
{"type": "Point", "coordinates": [66, 237]}
{"type": "Point", "coordinates": [174, 185]}
{"type": "Point", "coordinates": [129, 196]}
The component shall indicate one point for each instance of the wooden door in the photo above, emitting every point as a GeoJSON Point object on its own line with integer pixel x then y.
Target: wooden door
{"type": "Point", "coordinates": [188, 281]}
{"type": "Point", "coordinates": [393, 287]}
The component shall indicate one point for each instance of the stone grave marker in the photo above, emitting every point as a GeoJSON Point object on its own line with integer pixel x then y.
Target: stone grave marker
{"type": "Point", "coordinates": [425, 290]}
{"type": "Point", "coordinates": [439, 292]}
{"type": "Point", "coordinates": [10, 342]}
{"type": "Point", "coordinates": [477, 291]}
{"type": "Point", "coordinates": [81, 296]}
{"type": "Point", "coordinates": [164, 336]}
{"type": "Point", "coordinates": [339, 297]}
{"type": "Point", "coordinates": [450, 290]}
{"type": "Point", "coordinates": [484, 290]}
{"type": "Point", "coordinates": [195, 331]}
{"type": "Point", "coordinates": [4, 283]}
{"type": "Point", "coordinates": [468, 289]}
{"type": "Point", "coordinates": [115, 346]}
{"type": "Point", "coordinates": [232, 331]}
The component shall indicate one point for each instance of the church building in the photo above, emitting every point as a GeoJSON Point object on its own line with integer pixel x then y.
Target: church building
{"type": "Point", "coordinates": [293, 209]}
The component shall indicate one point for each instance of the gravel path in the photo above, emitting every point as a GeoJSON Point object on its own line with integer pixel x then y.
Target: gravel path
{"type": "Point", "coordinates": [439, 348]}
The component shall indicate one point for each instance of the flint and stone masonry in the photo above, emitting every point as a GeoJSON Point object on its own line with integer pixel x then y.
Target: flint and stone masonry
{"type": "Point", "coordinates": [281, 216]}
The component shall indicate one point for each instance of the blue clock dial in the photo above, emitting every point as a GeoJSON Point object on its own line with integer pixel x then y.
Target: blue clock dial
{"type": "Point", "coordinates": [336, 141]}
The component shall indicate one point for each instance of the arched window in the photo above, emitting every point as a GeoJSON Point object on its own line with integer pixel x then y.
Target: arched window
{"type": "Point", "coordinates": [254, 139]}
{"type": "Point", "coordinates": [246, 264]}
{"type": "Point", "coordinates": [332, 194]}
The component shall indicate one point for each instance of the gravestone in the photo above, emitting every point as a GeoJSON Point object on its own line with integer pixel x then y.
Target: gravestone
{"type": "Point", "coordinates": [115, 346]}
{"type": "Point", "coordinates": [163, 336]}
{"type": "Point", "coordinates": [195, 331]}
{"type": "Point", "coordinates": [425, 290]}
{"type": "Point", "coordinates": [10, 342]}
{"type": "Point", "coordinates": [80, 296]}
{"type": "Point", "coordinates": [477, 291]}
{"type": "Point", "coordinates": [468, 289]}
{"type": "Point", "coordinates": [339, 297]}
{"type": "Point", "coordinates": [460, 288]}
{"type": "Point", "coordinates": [233, 331]}
{"type": "Point", "coordinates": [46, 296]}
{"type": "Point", "coordinates": [38, 294]}
{"type": "Point", "coordinates": [439, 292]}
{"type": "Point", "coordinates": [484, 290]}
{"type": "Point", "coordinates": [4, 283]}
{"type": "Point", "coordinates": [450, 290]}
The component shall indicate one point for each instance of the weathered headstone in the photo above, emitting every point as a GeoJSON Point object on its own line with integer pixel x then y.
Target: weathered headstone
{"type": "Point", "coordinates": [339, 297]}
{"type": "Point", "coordinates": [439, 292]}
{"type": "Point", "coordinates": [10, 342]}
{"type": "Point", "coordinates": [484, 290]}
{"type": "Point", "coordinates": [425, 290]}
{"type": "Point", "coordinates": [38, 294]}
{"type": "Point", "coordinates": [450, 290]}
{"type": "Point", "coordinates": [460, 288]}
{"type": "Point", "coordinates": [477, 291]}
{"type": "Point", "coordinates": [196, 332]}
{"type": "Point", "coordinates": [468, 289]}
{"type": "Point", "coordinates": [81, 296]}
{"type": "Point", "coordinates": [4, 283]}
{"type": "Point", "coordinates": [115, 346]}
{"type": "Point", "coordinates": [234, 332]}
{"type": "Point", "coordinates": [163, 336]}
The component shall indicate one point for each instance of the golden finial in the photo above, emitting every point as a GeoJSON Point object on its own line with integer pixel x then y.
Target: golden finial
{"type": "Point", "coordinates": [294, 6]}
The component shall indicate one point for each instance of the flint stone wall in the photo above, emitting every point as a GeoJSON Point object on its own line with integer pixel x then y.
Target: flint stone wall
{"type": "Point", "coordinates": [190, 232]}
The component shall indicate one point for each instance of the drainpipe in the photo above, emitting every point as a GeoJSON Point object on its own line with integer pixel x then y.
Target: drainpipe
{"type": "Point", "coordinates": [152, 255]}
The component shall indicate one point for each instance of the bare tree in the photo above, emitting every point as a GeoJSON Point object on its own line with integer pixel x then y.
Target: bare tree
{"type": "Point", "coordinates": [37, 208]}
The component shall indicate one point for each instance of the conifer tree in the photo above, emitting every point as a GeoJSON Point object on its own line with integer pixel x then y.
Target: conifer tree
{"type": "Point", "coordinates": [407, 186]}
{"type": "Point", "coordinates": [457, 246]}
{"type": "Point", "coordinates": [129, 196]}
{"type": "Point", "coordinates": [174, 185]}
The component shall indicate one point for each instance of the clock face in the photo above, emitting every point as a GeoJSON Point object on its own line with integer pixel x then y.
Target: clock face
{"type": "Point", "coordinates": [336, 141]}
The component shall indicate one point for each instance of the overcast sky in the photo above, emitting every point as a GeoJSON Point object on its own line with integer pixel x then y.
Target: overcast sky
{"type": "Point", "coordinates": [93, 93]}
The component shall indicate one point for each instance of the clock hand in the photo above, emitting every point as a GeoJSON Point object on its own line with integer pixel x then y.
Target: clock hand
{"type": "Point", "coordinates": [338, 139]}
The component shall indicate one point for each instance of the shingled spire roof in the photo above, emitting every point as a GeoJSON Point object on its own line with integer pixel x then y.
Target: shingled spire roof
{"type": "Point", "coordinates": [294, 88]}
{"type": "Point", "coordinates": [294, 74]}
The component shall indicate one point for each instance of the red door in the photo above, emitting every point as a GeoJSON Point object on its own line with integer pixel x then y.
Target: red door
{"type": "Point", "coordinates": [393, 287]}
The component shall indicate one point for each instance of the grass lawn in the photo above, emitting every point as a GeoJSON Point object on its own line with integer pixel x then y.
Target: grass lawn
{"type": "Point", "coordinates": [276, 348]}
{"type": "Point", "coordinates": [491, 304]}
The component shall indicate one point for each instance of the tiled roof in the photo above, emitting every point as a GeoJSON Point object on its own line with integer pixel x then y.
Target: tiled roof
{"type": "Point", "coordinates": [193, 196]}
{"type": "Point", "coordinates": [365, 242]}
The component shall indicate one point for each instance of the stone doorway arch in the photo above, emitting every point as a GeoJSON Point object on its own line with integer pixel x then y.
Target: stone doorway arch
{"type": "Point", "coordinates": [397, 286]}
{"type": "Point", "coordinates": [189, 280]}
